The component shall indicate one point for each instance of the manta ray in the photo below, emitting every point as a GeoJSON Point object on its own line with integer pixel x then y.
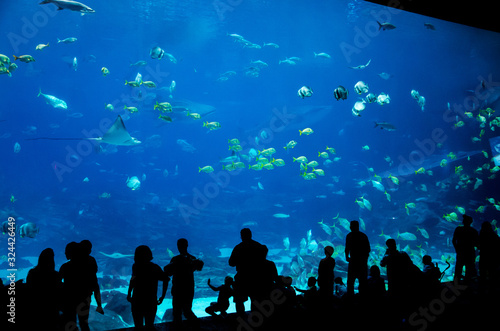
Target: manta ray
{"type": "Point", "coordinates": [116, 135]}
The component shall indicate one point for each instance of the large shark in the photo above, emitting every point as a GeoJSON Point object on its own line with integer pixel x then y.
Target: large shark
{"type": "Point", "coordinates": [117, 134]}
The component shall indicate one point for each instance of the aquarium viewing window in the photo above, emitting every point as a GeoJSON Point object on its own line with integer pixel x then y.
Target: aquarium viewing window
{"type": "Point", "coordinates": [149, 121]}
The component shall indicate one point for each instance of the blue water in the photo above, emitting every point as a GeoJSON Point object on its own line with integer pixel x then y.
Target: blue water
{"type": "Point", "coordinates": [46, 177]}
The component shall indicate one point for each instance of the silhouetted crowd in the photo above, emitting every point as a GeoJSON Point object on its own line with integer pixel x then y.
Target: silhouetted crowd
{"type": "Point", "coordinates": [414, 299]}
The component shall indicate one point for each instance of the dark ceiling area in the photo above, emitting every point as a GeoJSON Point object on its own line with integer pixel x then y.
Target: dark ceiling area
{"type": "Point", "coordinates": [479, 14]}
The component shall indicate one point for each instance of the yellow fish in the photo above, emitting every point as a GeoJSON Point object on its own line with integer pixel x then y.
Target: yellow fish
{"type": "Point", "coordinates": [149, 84]}
{"type": "Point", "coordinates": [206, 169]}
{"type": "Point", "coordinates": [131, 109]}
{"type": "Point", "coordinates": [212, 125]}
{"type": "Point", "coordinates": [420, 170]}
{"type": "Point", "coordinates": [104, 71]}
{"type": "Point", "coordinates": [39, 47]}
{"type": "Point", "coordinates": [133, 83]}
{"type": "Point", "coordinates": [196, 116]}
{"type": "Point", "coordinates": [306, 131]}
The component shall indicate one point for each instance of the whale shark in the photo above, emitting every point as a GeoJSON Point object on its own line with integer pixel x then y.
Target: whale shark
{"type": "Point", "coordinates": [117, 134]}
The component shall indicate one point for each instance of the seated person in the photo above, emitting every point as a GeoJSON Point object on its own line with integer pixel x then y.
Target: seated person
{"type": "Point", "coordinates": [225, 292]}
{"type": "Point", "coordinates": [309, 296]}
{"type": "Point", "coordinates": [374, 285]}
{"type": "Point", "coordinates": [431, 275]}
{"type": "Point", "coordinates": [340, 288]}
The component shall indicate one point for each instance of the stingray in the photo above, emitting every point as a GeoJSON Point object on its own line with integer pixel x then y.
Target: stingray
{"type": "Point", "coordinates": [117, 134]}
{"type": "Point", "coordinates": [116, 255]}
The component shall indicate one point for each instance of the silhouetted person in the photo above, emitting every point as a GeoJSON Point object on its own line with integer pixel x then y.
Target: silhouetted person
{"type": "Point", "coordinates": [396, 268]}
{"type": "Point", "coordinates": [309, 296]}
{"type": "Point", "coordinates": [489, 253]}
{"type": "Point", "coordinates": [44, 285]}
{"type": "Point", "coordinates": [4, 301]}
{"type": "Point", "coordinates": [143, 288]}
{"type": "Point", "coordinates": [357, 249]}
{"type": "Point", "coordinates": [465, 240]}
{"type": "Point", "coordinates": [430, 277]}
{"type": "Point", "coordinates": [225, 292]}
{"type": "Point", "coordinates": [326, 274]}
{"type": "Point", "coordinates": [73, 293]}
{"type": "Point", "coordinates": [247, 257]}
{"type": "Point", "coordinates": [266, 277]}
{"type": "Point", "coordinates": [374, 287]}
{"type": "Point", "coordinates": [285, 285]}
{"type": "Point", "coordinates": [340, 288]}
{"type": "Point", "coordinates": [182, 268]}
{"type": "Point", "coordinates": [86, 247]}
{"type": "Point", "coordinates": [80, 281]}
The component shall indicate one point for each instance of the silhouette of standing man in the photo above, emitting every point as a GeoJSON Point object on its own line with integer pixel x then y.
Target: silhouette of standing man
{"type": "Point", "coordinates": [80, 282]}
{"type": "Point", "coordinates": [465, 239]}
{"type": "Point", "coordinates": [182, 268]}
{"type": "Point", "coordinates": [247, 257]}
{"type": "Point", "coordinates": [357, 249]}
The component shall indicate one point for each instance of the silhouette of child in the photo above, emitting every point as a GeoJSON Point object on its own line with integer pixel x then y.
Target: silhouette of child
{"type": "Point", "coordinates": [326, 273]}
{"type": "Point", "coordinates": [430, 269]}
{"type": "Point", "coordinates": [375, 285]}
{"type": "Point", "coordinates": [340, 288]}
{"type": "Point", "coordinates": [309, 296]}
{"type": "Point", "coordinates": [431, 275]}
{"type": "Point", "coordinates": [225, 292]}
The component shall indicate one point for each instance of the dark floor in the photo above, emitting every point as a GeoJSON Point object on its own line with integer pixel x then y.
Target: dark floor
{"type": "Point", "coordinates": [454, 307]}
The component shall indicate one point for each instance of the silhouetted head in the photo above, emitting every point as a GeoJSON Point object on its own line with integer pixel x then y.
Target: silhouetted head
{"type": "Point", "coordinates": [46, 259]}
{"type": "Point", "coordinates": [486, 227]}
{"type": "Point", "coordinates": [228, 280]}
{"type": "Point", "coordinates": [286, 281]}
{"type": "Point", "coordinates": [427, 259]}
{"type": "Point", "coordinates": [311, 281]}
{"type": "Point", "coordinates": [354, 226]}
{"type": "Point", "coordinates": [245, 234]}
{"type": "Point", "coordinates": [182, 245]}
{"type": "Point", "coordinates": [143, 254]}
{"type": "Point", "coordinates": [338, 280]}
{"type": "Point", "coordinates": [328, 251]}
{"type": "Point", "coordinates": [466, 220]}
{"type": "Point", "coordinates": [86, 246]}
{"type": "Point", "coordinates": [391, 244]}
{"type": "Point", "coordinates": [374, 271]}
{"type": "Point", "coordinates": [71, 250]}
